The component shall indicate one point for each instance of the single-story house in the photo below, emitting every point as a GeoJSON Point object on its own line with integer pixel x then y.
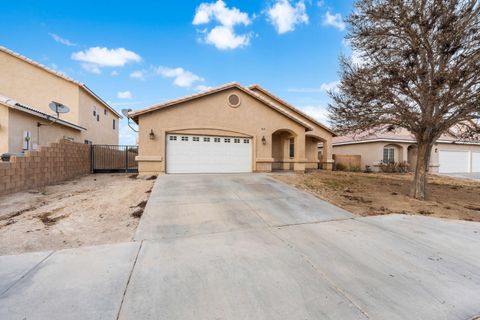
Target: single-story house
{"type": "Point", "coordinates": [448, 154]}
{"type": "Point", "coordinates": [231, 128]}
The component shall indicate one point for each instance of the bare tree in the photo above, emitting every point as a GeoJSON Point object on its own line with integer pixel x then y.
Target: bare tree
{"type": "Point", "coordinates": [419, 70]}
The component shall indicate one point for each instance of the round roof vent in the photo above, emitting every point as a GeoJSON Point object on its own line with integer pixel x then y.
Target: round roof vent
{"type": "Point", "coordinates": [233, 100]}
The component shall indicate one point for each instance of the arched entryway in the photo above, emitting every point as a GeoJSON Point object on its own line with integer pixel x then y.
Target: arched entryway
{"type": "Point", "coordinates": [283, 149]}
{"type": "Point", "coordinates": [314, 158]}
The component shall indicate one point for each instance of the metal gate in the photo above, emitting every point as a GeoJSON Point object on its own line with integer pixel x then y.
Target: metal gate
{"type": "Point", "coordinates": [113, 158]}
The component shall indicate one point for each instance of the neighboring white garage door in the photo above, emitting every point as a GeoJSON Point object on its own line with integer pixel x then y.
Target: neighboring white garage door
{"type": "Point", "coordinates": [208, 154]}
{"type": "Point", "coordinates": [475, 161]}
{"type": "Point", "coordinates": [454, 161]}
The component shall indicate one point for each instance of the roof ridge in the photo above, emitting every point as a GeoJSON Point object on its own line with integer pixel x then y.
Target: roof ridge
{"type": "Point", "coordinates": [217, 89]}
{"type": "Point", "coordinates": [288, 105]}
{"type": "Point", "coordinates": [42, 66]}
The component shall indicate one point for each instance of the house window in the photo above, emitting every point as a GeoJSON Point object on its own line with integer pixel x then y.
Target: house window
{"type": "Point", "coordinates": [196, 139]}
{"type": "Point", "coordinates": [94, 111]}
{"type": "Point", "coordinates": [88, 142]}
{"type": "Point", "coordinates": [184, 138]}
{"type": "Point", "coordinates": [292, 148]}
{"type": "Point", "coordinates": [216, 139]}
{"type": "Point", "coordinates": [246, 141]}
{"type": "Point", "coordinates": [113, 124]}
{"type": "Point", "coordinates": [227, 140]}
{"type": "Point", "coordinates": [206, 139]}
{"type": "Point", "coordinates": [173, 138]}
{"type": "Point", "coordinates": [105, 112]}
{"type": "Point", "coordinates": [236, 140]}
{"type": "Point", "coordinates": [388, 154]}
{"type": "Point", "coordinates": [98, 117]}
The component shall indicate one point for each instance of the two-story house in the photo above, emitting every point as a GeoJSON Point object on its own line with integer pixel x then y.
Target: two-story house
{"type": "Point", "coordinates": [26, 121]}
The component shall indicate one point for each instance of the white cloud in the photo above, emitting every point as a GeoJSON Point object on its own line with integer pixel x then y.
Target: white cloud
{"type": "Point", "coordinates": [126, 135]}
{"type": "Point", "coordinates": [61, 40]}
{"type": "Point", "coordinates": [324, 87]}
{"type": "Point", "coordinates": [357, 58]}
{"type": "Point", "coordinates": [319, 113]}
{"type": "Point", "coordinates": [334, 20]}
{"type": "Point", "coordinates": [93, 59]}
{"type": "Point", "coordinates": [219, 12]}
{"type": "Point", "coordinates": [284, 16]}
{"type": "Point", "coordinates": [138, 74]}
{"type": "Point", "coordinates": [201, 88]}
{"type": "Point", "coordinates": [93, 68]}
{"type": "Point", "coordinates": [181, 77]}
{"type": "Point", "coordinates": [329, 86]}
{"type": "Point", "coordinates": [124, 95]}
{"type": "Point", "coordinates": [114, 73]}
{"type": "Point", "coordinates": [222, 36]}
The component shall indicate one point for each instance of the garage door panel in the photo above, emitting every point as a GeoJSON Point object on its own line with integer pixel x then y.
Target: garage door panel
{"type": "Point", "coordinates": [208, 154]}
{"type": "Point", "coordinates": [475, 161]}
{"type": "Point", "coordinates": [454, 161]}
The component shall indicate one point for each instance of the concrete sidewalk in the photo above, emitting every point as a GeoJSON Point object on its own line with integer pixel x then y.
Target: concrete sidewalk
{"type": "Point", "coordinates": [249, 247]}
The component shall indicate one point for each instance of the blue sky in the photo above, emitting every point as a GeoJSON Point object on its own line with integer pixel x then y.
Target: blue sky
{"type": "Point", "coordinates": [137, 53]}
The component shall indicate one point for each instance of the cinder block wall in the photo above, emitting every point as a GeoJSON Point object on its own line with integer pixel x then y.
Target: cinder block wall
{"type": "Point", "coordinates": [56, 162]}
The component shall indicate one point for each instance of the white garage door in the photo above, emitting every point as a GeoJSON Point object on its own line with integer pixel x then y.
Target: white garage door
{"type": "Point", "coordinates": [454, 161]}
{"type": "Point", "coordinates": [475, 161]}
{"type": "Point", "coordinates": [208, 154]}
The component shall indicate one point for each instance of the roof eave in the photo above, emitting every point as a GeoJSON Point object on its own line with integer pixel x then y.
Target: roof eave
{"type": "Point", "coordinates": [43, 115]}
{"type": "Point", "coordinates": [134, 115]}
{"type": "Point", "coordinates": [288, 105]}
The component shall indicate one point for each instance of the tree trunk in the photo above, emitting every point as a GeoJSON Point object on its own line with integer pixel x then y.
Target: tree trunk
{"type": "Point", "coordinates": [419, 186]}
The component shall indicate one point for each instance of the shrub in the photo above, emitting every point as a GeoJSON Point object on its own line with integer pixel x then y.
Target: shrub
{"type": "Point", "coordinates": [394, 167]}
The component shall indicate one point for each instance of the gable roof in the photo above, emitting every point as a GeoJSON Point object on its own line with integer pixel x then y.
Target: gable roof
{"type": "Point", "coordinates": [134, 115]}
{"type": "Point", "coordinates": [60, 75]}
{"type": "Point", "coordinates": [289, 106]}
{"type": "Point", "coordinates": [10, 103]}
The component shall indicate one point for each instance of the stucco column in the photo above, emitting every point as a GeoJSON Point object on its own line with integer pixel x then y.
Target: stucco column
{"type": "Point", "coordinates": [286, 152]}
{"type": "Point", "coordinates": [327, 152]}
{"type": "Point", "coordinates": [299, 147]}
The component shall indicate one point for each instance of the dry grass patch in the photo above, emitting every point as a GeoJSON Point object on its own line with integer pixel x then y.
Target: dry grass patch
{"type": "Point", "coordinates": [369, 194]}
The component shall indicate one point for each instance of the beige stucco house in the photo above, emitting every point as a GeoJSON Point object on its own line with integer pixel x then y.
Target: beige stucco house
{"type": "Point", "coordinates": [227, 129]}
{"type": "Point", "coordinates": [26, 121]}
{"type": "Point", "coordinates": [448, 154]}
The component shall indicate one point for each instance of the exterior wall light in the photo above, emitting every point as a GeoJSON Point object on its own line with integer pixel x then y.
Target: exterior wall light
{"type": "Point", "coordinates": [151, 134]}
{"type": "Point", "coordinates": [264, 141]}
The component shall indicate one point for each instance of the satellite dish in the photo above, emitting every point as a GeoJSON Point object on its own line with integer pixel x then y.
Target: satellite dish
{"type": "Point", "coordinates": [58, 107]}
{"type": "Point", "coordinates": [125, 112]}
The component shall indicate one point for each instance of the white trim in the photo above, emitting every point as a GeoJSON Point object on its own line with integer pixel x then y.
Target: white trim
{"type": "Point", "coordinates": [29, 110]}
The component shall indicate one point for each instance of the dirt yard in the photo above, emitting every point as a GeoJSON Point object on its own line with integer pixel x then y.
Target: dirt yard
{"type": "Point", "coordinates": [369, 194]}
{"type": "Point", "coordinates": [94, 209]}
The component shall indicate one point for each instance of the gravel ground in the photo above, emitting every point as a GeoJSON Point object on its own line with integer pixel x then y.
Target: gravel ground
{"type": "Point", "coordinates": [94, 209]}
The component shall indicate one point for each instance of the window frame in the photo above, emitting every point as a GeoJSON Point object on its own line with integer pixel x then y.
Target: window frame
{"type": "Point", "coordinates": [388, 154]}
{"type": "Point", "coordinates": [291, 150]}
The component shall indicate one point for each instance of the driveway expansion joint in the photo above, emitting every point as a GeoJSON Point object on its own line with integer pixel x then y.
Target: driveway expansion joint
{"type": "Point", "coordinates": [27, 273]}
{"type": "Point", "coordinates": [128, 280]}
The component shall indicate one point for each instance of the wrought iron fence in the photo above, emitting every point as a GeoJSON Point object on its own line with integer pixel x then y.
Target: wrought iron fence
{"type": "Point", "coordinates": [113, 158]}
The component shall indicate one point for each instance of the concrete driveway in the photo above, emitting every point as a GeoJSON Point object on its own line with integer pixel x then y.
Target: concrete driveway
{"type": "Point", "coordinates": [471, 176]}
{"type": "Point", "coordinates": [249, 247]}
